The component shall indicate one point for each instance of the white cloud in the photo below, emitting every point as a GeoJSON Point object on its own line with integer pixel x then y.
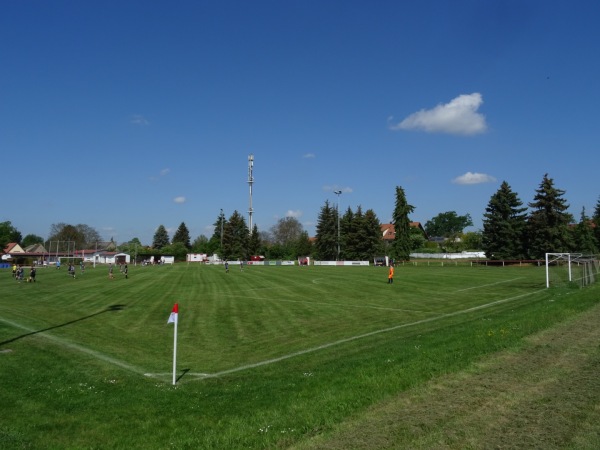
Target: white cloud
{"type": "Point", "coordinates": [460, 116]}
{"type": "Point", "coordinates": [179, 199]}
{"type": "Point", "coordinates": [162, 173]}
{"type": "Point", "coordinates": [138, 119]}
{"type": "Point", "coordinates": [309, 156]}
{"type": "Point", "coordinates": [474, 178]}
{"type": "Point", "coordinates": [294, 214]}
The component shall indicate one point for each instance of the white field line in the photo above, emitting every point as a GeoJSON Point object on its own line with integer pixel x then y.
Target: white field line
{"type": "Point", "coordinates": [201, 376]}
{"type": "Point", "coordinates": [491, 284]}
{"type": "Point", "coordinates": [360, 336]}
{"type": "Point", "coordinates": [73, 346]}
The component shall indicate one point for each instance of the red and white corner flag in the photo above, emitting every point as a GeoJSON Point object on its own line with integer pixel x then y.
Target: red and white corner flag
{"type": "Point", "coordinates": [174, 314]}
{"type": "Point", "coordinates": [173, 318]}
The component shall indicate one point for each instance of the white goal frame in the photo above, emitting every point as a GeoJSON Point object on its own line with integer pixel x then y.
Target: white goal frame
{"type": "Point", "coordinates": [552, 257]}
{"type": "Point", "coordinates": [590, 264]}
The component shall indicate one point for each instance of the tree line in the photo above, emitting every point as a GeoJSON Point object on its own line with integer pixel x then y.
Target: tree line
{"type": "Point", "coordinates": [510, 231]}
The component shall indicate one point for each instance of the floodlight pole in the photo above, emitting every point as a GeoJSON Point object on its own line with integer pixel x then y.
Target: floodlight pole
{"type": "Point", "coordinates": [338, 193]}
{"type": "Point", "coordinates": [250, 182]}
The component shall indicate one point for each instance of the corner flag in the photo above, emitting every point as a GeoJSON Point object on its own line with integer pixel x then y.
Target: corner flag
{"type": "Point", "coordinates": [173, 318]}
{"type": "Point", "coordinates": [174, 314]}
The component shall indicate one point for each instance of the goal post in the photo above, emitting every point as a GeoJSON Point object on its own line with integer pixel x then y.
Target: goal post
{"type": "Point", "coordinates": [571, 268]}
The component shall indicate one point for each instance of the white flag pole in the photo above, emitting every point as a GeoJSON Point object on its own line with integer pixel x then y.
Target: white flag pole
{"type": "Point", "coordinates": [175, 353]}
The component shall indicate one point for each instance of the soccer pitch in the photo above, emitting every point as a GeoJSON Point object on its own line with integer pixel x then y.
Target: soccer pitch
{"type": "Point", "coordinates": [294, 349]}
{"type": "Point", "coordinates": [230, 321]}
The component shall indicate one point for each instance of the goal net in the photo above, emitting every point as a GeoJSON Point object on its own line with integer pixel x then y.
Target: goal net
{"type": "Point", "coordinates": [571, 269]}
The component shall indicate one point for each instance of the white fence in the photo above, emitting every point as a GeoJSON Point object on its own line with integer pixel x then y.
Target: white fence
{"type": "Point", "coordinates": [462, 255]}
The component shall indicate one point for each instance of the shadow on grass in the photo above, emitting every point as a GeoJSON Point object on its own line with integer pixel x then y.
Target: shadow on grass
{"type": "Point", "coordinates": [182, 375]}
{"type": "Point", "coordinates": [108, 309]}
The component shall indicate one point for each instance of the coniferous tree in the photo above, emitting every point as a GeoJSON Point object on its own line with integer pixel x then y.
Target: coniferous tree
{"type": "Point", "coordinates": [504, 225]}
{"type": "Point", "coordinates": [216, 239]}
{"type": "Point", "coordinates": [373, 239]}
{"type": "Point", "coordinates": [161, 238]}
{"type": "Point", "coordinates": [235, 238]}
{"type": "Point", "coordinates": [326, 236]}
{"type": "Point", "coordinates": [347, 236]}
{"type": "Point", "coordinates": [584, 236]}
{"type": "Point", "coordinates": [548, 222]}
{"type": "Point", "coordinates": [367, 235]}
{"type": "Point", "coordinates": [254, 242]}
{"type": "Point", "coordinates": [402, 242]}
{"type": "Point", "coordinates": [596, 220]}
{"type": "Point", "coordinates": [182, 235]}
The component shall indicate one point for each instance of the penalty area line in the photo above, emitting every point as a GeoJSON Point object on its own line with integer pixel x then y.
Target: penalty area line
{"type": "Point", "coordinates": [362, 336]}
{"type": "Point", "coordinates": [490, 284]}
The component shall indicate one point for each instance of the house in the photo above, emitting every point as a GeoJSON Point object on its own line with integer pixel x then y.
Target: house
{"type": "Point", "coordinates": [114, 258]}
{"type": "Point", "coordinates": [13, 247]}
{"type": "Point", "coordinates": [36, 248]}
{"type": "Point", "coordinates": [389, 232]}
{"type": "Point", "coordinates": [12, 250]}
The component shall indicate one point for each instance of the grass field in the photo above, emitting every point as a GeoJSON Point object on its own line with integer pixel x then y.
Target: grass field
{"type": "Point", "coordinates": [271, 357]}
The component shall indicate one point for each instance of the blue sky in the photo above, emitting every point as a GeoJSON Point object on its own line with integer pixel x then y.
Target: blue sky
{"type": "Point", "coordinates": [125, 115]}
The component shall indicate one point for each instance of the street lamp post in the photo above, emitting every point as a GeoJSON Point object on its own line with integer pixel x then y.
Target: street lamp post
{"type": "Point", "coordinates": [338, 193]}
{"type": "Point", "coordinates": [221, 249]}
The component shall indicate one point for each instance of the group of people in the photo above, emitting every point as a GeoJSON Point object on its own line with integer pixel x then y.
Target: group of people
{"type": "Point", "coordinates": [122, 268]}
{"type": "Point", "coordinates": [18, 273]}
{"type": "Point", "coordinates": [241, 263]}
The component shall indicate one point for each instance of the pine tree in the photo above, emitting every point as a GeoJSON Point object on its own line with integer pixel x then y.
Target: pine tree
{"type": "Point", "coordinates": [596, 220]}
{"type": "Point", "coordinates": [584, 236]}
{"type": "Point", "coordinates": [347, 236]}
{"type": "Point", "coordinates": [548, 222]}
{"type": "Point", "coordinates": [254, 242]}
{"type": "Point", "coordinates": [326, 236]}
{"type": "Point", "coordinates": [402, 242]}
{"type": "Point", "coordinates": [161, 238]}
{"type": "Point", "coordinates": [216, 239]}
{"type": "Point", "coordinates": [367, 235]}
{"type": "Point", "coordinates": [373, 238]}
{"type": "Point", "coordinates": [235, 238]}
{"type": "Point", "coordinates": [504, 225]}
{"type": "Point", "coordinates": [182, 235]}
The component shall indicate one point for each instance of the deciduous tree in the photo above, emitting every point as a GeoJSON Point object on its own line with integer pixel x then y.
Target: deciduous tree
{"type": "Point", "coordinates": [70, 237]}
{"type": "Point", "coordinates": [31, 239]}
{"type": "Point", "coordinates": [201, 245]}
{"type": "Point", "coordinates": [8, 234]}
{"type": "Point", "coordinates": [447, 224]}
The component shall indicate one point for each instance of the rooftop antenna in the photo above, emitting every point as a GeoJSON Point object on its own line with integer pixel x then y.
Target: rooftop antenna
{"type": "Point", "coordinates": [250, 182]}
